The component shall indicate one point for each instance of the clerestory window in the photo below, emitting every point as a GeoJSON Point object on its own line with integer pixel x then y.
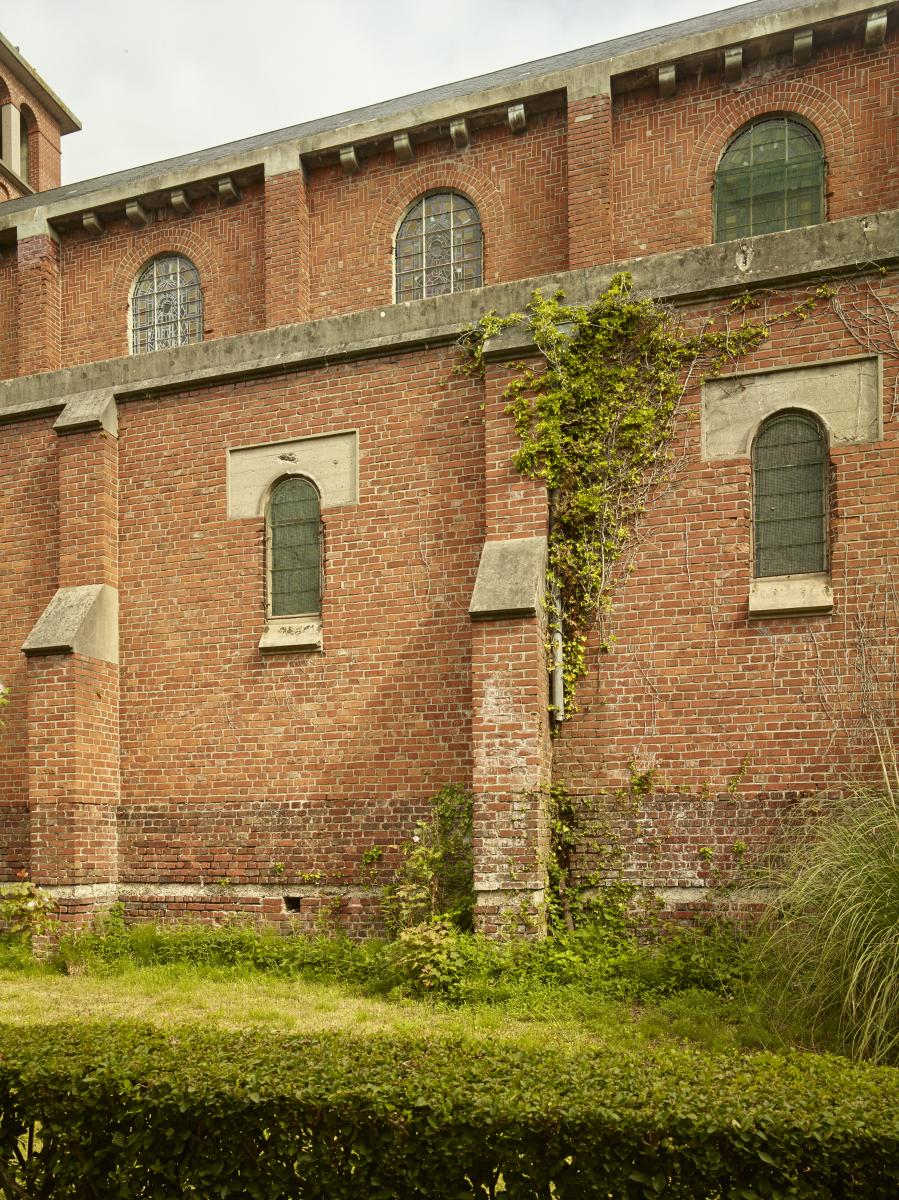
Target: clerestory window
{"type": "Point", "coordinates": [770, 177]}
{"type": "Point", "coordinates": [790, 486]}
{"type": "Point", "coordinates": [166, 305]}
{"type": "Point", "coordinates": [439, 247]}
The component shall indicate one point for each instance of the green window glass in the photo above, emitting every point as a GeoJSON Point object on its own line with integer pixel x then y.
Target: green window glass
{"type": "Point", "coordinates": [294, 543]}
{"type": "Point", "coordinates": [770, 177]}
{"type": "Point", "coordinates": [789, 471]}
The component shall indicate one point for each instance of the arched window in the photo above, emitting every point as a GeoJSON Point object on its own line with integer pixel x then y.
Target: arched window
{"type": "Point", "coordinates": [166, 305]}
{"type": "Point", "coordinates": [790, 486]}
{"type": "Point", "coordinates": [294, 548]}
{"type": "Point", "coordinates": [770, 177]}
{"type": "Point", "coordinates": [439, 247]}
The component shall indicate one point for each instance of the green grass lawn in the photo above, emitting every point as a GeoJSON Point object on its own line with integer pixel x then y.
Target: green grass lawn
{"type": "Point", "coordinates": [232, 998]}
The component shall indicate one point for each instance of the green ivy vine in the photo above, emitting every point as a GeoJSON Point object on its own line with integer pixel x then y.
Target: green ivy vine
{"type": "Point", "coordinates": [596, 424]}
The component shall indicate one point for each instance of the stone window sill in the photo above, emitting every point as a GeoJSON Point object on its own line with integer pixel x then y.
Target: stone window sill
{"type": "Point", "coordinates": [790, 595]}
{"type": "Point", "coordinates": [286, 634]}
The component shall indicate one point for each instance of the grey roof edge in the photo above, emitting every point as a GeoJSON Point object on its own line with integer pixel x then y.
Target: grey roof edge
{"type": "Point", "coordinates": [11, 58]}
{"type": "Point", "coordinates": [632, 52]}
{"type": "Point", "coordinates": [844, 247]}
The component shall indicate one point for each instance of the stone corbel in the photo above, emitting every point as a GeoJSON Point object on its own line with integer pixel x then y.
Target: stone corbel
{"type": "Point", "coordinates": [667, 80]}
{"type": "Point", "coordinates": [137, 214]}
{"type": "Point", "coordinates": [402, 147]}
{"type": "Point", "coordinates": [518, 118]}
{"type": "Point", "coordinates": [180, 202]}
{"type": "Point", "coordinates": [349, 160]}
{"type": "Point", "coordinates": [92, 223]}
{"type": "Point", "coordinates": [459, 133]}
{"type": "Point", "coordinates": [733, 64]}
{"type": "Point", "coordinates": [228, 190]}
{"type": "Point", "coordinates": [803, 44]}
{"type": "Point", "coordinates": [875, 29]}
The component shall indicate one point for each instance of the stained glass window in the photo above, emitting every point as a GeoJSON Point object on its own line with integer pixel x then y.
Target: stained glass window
{"type": "Point", "coordinates": [294, 543]}
{"type": "Point", "coordinates": [439, 247]}
{"type": "Point", "coordinates": [770, 177]}
{"type": "Point", "coordinates": [789, 471]}
{"type": "Point", "coordinates": [167, 305]}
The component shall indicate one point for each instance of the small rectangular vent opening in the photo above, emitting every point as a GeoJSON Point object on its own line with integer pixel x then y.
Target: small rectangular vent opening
{"type": "Point", "coordinates": [292, 903]}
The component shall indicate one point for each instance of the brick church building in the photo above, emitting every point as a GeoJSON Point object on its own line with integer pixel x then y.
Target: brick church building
{"type": "Point", "coordinates": [268, 578]}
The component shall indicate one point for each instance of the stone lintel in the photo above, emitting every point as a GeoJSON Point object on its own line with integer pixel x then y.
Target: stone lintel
{"type": "Point", "coordinates": [330, 461]}
{"type": "Point", "coordinates": [78, 620]}
{"type": "Point", "coordinates": [89, 410]}
{"type": "Point", "coordinates": [844, 393]}
{"type": "Point", "coordinates": [511, 579]}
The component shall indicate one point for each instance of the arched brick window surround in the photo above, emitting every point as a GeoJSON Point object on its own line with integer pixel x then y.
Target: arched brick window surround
{"type": "Point", "coordinates": [442, 177]}
{"type": "Point", "coordinates": [152, 244]}
{"type": "Point", "coordinates": [184, 328]}
{"type": "Point", "coordinates": [804, 100]}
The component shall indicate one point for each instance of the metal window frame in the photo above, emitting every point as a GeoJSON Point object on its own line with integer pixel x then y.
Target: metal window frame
{"type": "Point", "coordinates": [422, 198]}
{"type": "Point", "coordinates": [812, 419]}
{"type": "Point", "coordinates": [764, 118]}
{"type": "Point", "coordinates": [149, 269]}
{"type": "Point", "coordinates": [269, 556]}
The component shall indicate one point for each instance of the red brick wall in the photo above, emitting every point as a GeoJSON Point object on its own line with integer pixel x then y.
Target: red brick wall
{"type": "Point", "coordinates": [665, 151]}
{"type": "Point", "coordinates": [225, 243]}
{"type": "Point", "coordinates": [734, 715]}
{"type": "Point", "coordinates": [9, 315]}
{"type": "Point", "coordinates": [44, 141]}
{"type": "Point", "coordinates": [516, 181]}
{"type": "Point", "coordinates": [349, 742]}
{"type": "Point", "coordinates": [28, 535]}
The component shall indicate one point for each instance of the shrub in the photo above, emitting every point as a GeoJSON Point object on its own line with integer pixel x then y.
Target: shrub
{"type": "Point", "coordinates": [24, 911]}
{"type": "Point", "coordinates": [436, 877]}
{"type": "Point", "coordinates": [126, 1112]}
{"type": "Point", "coordinates": [112, 946]}
{"type": "Point", "coordinates": [829, 963]}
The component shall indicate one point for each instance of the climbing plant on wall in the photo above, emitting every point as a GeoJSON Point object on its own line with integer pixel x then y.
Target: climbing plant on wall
{"type": "Point", "coordinates": [596, 424]}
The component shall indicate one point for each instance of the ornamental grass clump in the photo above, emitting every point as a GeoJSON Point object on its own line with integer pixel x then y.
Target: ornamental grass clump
{"type": "Point", "coordinates": [829, 964]}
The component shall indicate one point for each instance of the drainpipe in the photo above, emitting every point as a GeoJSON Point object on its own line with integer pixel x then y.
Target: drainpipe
{"type": "Point", "coordinates": [557, 684]}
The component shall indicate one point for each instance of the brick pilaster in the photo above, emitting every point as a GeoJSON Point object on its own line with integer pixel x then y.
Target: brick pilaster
{"type": "Point", "coordinates": [286, 249]}
{"type": "Point", "coordinates": [39, 304]}
{"type": "Point", "coordinates": [510, 724]}
{"type": "Point", "coordinates": [73, 690]}
{"type": "Point", "coordinates": [590, 181]}
{"type": "Point", "coordinates": [88, 508]}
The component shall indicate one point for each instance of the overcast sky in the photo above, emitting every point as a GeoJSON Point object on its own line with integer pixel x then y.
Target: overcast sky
{"type": "Point", "coordinates": [155, 79]}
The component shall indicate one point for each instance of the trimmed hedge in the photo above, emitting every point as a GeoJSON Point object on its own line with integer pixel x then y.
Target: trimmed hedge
{"type": "Point", "coordinates": [125, 1111]}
